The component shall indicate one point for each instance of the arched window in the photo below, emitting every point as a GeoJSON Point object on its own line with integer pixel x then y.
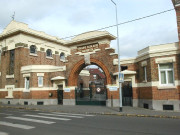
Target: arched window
{"type": "Point", "coordinates": [62, 56]}
{"type": "Point", "coordinates": [33, 49]}
{"type": "Point", "coordinates": [49, 53]}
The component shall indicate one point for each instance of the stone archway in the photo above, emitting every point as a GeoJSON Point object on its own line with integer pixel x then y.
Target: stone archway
{"type": "Point", "coordinates": [72, 80]}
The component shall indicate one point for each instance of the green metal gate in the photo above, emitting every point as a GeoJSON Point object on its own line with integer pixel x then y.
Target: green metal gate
{"type": "Point", "coordinates": [94, 96]}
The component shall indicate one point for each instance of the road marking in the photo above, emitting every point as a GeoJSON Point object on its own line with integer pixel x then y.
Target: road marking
{"type": "Point", "coordinates": [61, 115]}
{"type": "Point", "coordinates": [5, 114]}
{"type": "Point", "coordinates": [3, 133]}
{"type": "Point", "coordinates": [54, 118]}
{"type": "Point", "coordinates": [15, 125]}
{"type": "Point", "coordinates": [31, 120]}
{"type": "Point", "coordinates": [74, 114]}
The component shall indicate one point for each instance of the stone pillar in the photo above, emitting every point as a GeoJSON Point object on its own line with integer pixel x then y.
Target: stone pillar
{"type": "Point", "coordinates": [112, 98]}
{"type": "Point", "coordinates": [69, 97]}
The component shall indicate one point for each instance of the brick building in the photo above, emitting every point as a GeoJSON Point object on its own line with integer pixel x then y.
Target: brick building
{"type": "Point", "coordinates": [37, 68]}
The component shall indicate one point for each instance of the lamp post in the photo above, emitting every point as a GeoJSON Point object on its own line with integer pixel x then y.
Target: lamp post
{"type": "Point", "coordinates": [119, 66]}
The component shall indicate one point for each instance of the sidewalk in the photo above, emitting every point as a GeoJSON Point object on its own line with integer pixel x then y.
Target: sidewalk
{"type": "Point", "coordinates": [99, 110]}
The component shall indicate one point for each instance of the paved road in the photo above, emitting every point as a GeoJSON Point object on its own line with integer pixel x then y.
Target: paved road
{"type": "Point", "coordinates": [28, 122]}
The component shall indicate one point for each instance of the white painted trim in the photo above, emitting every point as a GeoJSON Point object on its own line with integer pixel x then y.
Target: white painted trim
{"type": "Point", "coordinates": [42, 68]}
{"type": "Point", "coordinates": [0, 73]}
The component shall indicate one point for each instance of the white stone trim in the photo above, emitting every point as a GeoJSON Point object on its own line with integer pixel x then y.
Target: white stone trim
{"type": "Point", "coordinates": [156, 84]}
{"type": "Point", "coordinates": [113, 54]}
{"type": "Point", "coordinates": [26, 75]}
{"type": "Point", "coordinates": [0, 73]}
{"type": "Point", "coordinates": [42, 68]}
{"type": "Point", "coordinates": [10, 76]}
{"type": "Point", "coordinates": [10, 89]}
{"type": "Point", "coordinates": [47, 57]}
{"type": "Point", "coordinates": [33, 54]}
{"type": "Point", "coordinates": [58, 78]}
{"type": "Point", "coordinates": [109, 48]}
{"type": "Point", "coordinates": [124, 61]}
{"type": "Point", "coordinates": [86, 89]}
{"type": "Point", "coordinates": [165, 60]}
{"type": "Point", "coordinates": [40, 74]}
{"type": "Point", "coordinates": [125, 72]}
{"type": "Point", "coordinates": [167, 87]}
{"type": "Point", "coordinates": [42, 89]}
{"type": "Point", "coordinates": [144, 63]}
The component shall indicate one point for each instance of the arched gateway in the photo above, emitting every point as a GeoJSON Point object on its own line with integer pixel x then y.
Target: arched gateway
{"type": "Point", "coordinates": [92, 52]}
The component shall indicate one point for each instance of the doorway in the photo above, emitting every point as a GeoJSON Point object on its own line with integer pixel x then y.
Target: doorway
{"type": "Point", "coordinates": [60, 94]}
{"type": "Point", "coordinates": [127, 93]}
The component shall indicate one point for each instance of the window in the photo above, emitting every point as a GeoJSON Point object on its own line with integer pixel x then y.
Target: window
{"type": "Point", "coordinates": [11, 64]}
{"type": "Point", "coordinates": [33, 49]}
{"type": "Point", "coordinates": [49, 53]}
{"type": "Point", "coordinates": [166, 74]}
{"type": "Point", "coordinates": [40, 81]}
{"type": "Point", "coordinates": [27, 83]}
{"type": "Point", "coordinates": [62, 56]}
{"type": "Point", "coordinates": [145, 74]}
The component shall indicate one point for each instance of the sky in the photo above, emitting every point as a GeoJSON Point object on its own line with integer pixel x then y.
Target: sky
{"type": "Point", "coordinates": [64, 18]}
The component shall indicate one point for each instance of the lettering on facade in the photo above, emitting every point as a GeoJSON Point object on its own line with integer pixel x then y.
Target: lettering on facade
{"type": "Point", "coordinates": [88, 48]}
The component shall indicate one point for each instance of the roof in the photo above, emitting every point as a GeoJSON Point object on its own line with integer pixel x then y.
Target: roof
{"type": "Point", "coordinates": [96, 71]}
{"type": "Point", "coordinates": [15, 27]}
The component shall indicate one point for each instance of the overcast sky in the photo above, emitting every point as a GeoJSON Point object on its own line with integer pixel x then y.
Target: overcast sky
{"type": "Point", "coordinates": [64, 18]}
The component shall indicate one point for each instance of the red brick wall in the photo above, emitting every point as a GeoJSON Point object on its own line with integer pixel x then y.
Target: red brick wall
{"type": "Point", "coordinates": [23, 58]}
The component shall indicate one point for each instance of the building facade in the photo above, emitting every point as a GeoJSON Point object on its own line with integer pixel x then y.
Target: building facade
{"type": "Point", "coordinates": [37, 69]}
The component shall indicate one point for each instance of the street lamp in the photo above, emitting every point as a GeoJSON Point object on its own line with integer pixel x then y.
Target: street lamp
{"type": "Point", "coordinates": [119, 67]}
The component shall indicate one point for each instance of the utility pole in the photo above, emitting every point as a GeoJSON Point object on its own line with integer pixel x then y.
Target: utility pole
{"type": "Point", "coordinates": [119, 66]}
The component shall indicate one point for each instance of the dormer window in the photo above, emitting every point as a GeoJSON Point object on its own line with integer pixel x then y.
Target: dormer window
{"type": "Point", "coordinates": [49, 53]}
{"type": "Point", "coordinates": [62, 56]}
{"type": "Point", "coordinates": [33, 49]}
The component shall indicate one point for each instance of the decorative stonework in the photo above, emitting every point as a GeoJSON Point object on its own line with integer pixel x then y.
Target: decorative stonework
{"type": "Point", "coordinates": [88, 48]}
{"type": "Point", "coordinates": [21, 45]}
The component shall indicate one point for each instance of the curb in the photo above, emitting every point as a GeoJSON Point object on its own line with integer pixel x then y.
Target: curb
{"type": "Point", "coordinates": [98, 113]}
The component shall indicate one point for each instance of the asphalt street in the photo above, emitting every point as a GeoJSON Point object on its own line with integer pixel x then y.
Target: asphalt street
{"type": "Point", "coordinates": [29, 122]}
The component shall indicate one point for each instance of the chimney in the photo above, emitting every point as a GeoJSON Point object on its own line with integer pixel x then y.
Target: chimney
{"type": "Point", "coordinates": [176, 4]}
